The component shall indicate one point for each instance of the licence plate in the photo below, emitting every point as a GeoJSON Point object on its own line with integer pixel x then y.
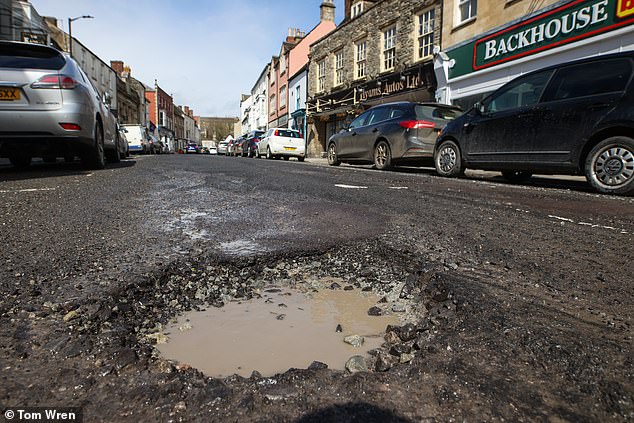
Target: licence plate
{"type": "Point", "coordinates": [290, 148]}
{"type": "Point", "coordinates": [9, 94]}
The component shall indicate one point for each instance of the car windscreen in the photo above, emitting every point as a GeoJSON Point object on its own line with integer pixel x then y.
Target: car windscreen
{"type": "Point", "coordinates": [434, 112]}
{"type": "Point", "coordinates": [30, 57]}
{"type": "Point", "coordinates": [287, 133]}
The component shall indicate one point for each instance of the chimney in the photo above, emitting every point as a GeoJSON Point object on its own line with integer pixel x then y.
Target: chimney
{"type": "Point", "coordinates": [187, 110]}
{"type": "Point", "coordinates": [117, 65]}
{"type": "Point", "coordinates": [327, 11]}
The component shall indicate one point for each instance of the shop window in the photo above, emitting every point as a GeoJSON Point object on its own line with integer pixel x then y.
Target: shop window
{"type": "Point", "coordinates": [339, 67]}
{"type": "Point", "coordinates": [467, 10]}
{"type": "Point", "coordinates": [389, 48]}
{"type": "Point", "coordinates": [360, 58]}
{"type": "Point", "coordinates": [425, 32]}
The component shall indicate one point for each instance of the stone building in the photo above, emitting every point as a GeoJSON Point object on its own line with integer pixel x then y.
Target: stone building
{"type": "Point", "coordinates": [180, 142]}
{"type": "Point", "coordinates": [486, 44]}
{"type": "Point", "coordinates": [382, 52]}
{"type": "Point", "coordinates": [131, 100]}
{"type": "Point", "coordinates": [217, 128]}
{"type": "Point", "coordinates": [19, 21]}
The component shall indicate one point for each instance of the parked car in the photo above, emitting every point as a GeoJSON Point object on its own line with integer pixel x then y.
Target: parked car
{"type": "Point", "coordinates": [391, 134]}
{"type": "Point", "coordinates": [154, 145]}
{"type": "Point", "coordinates": [137, 138]}
{"type": "Point", "coordinates": [222, 147]}
{"type": "Point", "coordinates": [204, 150]}
{"type": "Point", "coordinates": [49, 109]}
{"type": "Point", "coordinates": [213, 150]}
{"type": "Point", "coordinates": [282, 142]}
{"type": "Point", "coordinates": [192, 148]}
{"type": "Point", "coordinates": [250, 146]}
{"type": "Point", "coordinates": [237, 146]}
{"type": "Point", "coordinates": [124, 146]}
{"type": "Point", "coordinates": [573, 118]}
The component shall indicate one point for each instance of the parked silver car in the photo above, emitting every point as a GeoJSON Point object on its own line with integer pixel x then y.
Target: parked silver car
{"type": "Point", "coordinates": [49, 108]}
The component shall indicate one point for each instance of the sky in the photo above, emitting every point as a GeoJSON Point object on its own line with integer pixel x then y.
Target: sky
{"type": "Point", "coordinates": [203, 52]}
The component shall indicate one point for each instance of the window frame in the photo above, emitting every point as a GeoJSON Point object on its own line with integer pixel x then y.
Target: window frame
{"type": "Point", "coordinates": [421, 36]}
{"type": "Point", "coordinates": [360, 64]}
{"type": "Point", "coordinates": [321, 75]}
{"type": "Point", "coordinates": [388, 51]}
{"type": "Point", "coordinates": [339, 76]}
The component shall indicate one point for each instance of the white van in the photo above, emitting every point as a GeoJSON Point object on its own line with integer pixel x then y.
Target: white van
{"type": "Point", "coordinates": [137, 138]}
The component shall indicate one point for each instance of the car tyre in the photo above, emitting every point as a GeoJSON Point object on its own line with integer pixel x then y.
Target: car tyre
{"type": "Point", "coordinates": [382, 156]}
{"type": "Point", "coordinates": [333, 158]}
{"type": "Point", "coordinates": [268, 153]}
{"type": "Point", "coordinates": [609, 166]}
{"type": "Point", "coordinates": [95, 158]}
{"type": "Point", "coordinates": [516, 176]}
{"type": "Point", "coordinates": [448, 160]}
{"type": "Point", "coordinates": [286, 158]}
{"type": "Point", "coordinates": [20, 161]}
{"type": "Point", "coordinates": [301, 159]}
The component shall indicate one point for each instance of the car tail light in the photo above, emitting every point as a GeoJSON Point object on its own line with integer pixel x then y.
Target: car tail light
{"type": "Point", "coordinates": [70, 126]}
{"type": "Point", "coordinates": [63, 82]}
{"type": "Point", "coordinates": [277, 133]}
{"type": "Point", "coordinates": [417, 124]}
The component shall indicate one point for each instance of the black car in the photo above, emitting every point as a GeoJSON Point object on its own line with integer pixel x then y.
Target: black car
{"type": "Point", "coordinates": [574, 118]}
{"type": "Point", "coordinates": [250, 145]}
{"type": "Point", "coordinates": [391, 134]}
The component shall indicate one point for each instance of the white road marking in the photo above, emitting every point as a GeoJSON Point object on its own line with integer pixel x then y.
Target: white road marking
{"type": "Point", "coordinates": [27, 190]}
{"type": "Point", "coordinates": [399, 187]}
{"type": "Point", "coordinates": [591, 225]}
{"type": "Point", "coordinates": [350, 186]}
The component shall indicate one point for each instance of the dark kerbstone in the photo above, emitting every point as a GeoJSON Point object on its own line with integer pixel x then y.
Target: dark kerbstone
{"type": "Point", "coordinates": [375, 311]}
{"type": "Point", "coordinates": [317, 365]}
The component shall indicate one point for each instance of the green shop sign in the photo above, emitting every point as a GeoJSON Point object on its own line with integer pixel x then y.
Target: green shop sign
{"type": "Point", "coordinates": [563, 25]}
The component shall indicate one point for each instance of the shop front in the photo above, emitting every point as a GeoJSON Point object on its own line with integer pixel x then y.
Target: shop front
{"type": "Point", "coordinates": [562, 32]}
{"type": "Point", "coordinates": [329, 114]}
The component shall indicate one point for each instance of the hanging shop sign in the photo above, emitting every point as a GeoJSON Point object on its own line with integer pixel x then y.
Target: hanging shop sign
{"type": "Point", "coordinates": [571, 22]}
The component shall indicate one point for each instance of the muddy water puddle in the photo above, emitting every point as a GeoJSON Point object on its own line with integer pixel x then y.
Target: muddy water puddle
{"type": "Point", "coordinates": [284, 329]}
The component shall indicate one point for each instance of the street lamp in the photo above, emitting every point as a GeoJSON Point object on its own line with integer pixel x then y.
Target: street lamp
{"type": "Point", "coordinates": [70, 31]}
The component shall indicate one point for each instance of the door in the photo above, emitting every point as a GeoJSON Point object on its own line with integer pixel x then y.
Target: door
{"type": "Point", "coordinates": [346, 140]}
{"type": "Point", "coordinates": [363, 143]}
{"type": "Point", "coordinates": [504, 129]}
{"type": "Point", "coordinates": [577, 98]}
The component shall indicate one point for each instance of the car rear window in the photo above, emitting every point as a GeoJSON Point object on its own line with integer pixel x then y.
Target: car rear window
{"type": "Point", "coordinates": [288, 133]}
{"type": "Point", "coordinates": [30, 57]}
{"type": "Point", "coordinates": [590, 79]}
{"type": "Point", "coordinates": [431, 112]}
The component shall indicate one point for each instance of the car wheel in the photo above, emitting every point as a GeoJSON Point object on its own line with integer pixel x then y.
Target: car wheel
{"type": "Point", "coordinates": [268, 153]}
{"type": "Point", "coordinates": [287, 158]}
{"type": "Point", "coordinates": [382, 156]}
{"type": "Point", "coordinates": [95, 158]}
{"type": "Point", "coordinates": [301, 159]}
{"type": "Point", "coordinates": [21, 162]}
{"type": "Point", "coordinates": [610, 166]}
{"type": "Point", "coordinates": [516, 176]}
{"type": "Point", "coordinates": [448, 160]}
{"type": "Point", "coordinates": [333, 159]}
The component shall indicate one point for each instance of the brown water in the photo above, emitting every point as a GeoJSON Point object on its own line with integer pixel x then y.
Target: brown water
{"type": "Point", "coordinates": [281, 330]}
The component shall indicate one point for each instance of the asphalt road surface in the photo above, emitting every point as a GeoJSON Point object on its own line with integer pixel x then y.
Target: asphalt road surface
{"type": "Point", "coordinates": [520, 296]}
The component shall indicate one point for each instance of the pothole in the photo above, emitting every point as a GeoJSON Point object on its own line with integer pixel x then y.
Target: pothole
{"type": "Point", "coordinates": [280, 329]}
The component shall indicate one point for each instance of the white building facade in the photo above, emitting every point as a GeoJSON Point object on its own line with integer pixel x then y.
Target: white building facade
{"type": "Point", "coordinates": [260, 106]}
{"type": "Point", "coordinates": [298, 86]}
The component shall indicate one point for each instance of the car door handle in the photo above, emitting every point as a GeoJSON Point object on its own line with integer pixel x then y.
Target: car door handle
{"type": "Point", "coordinates": [596, 106]}
{"type": "Point", "coordinates": [354, 134]}
{"type": "Point", "coordinates": [375, 130]}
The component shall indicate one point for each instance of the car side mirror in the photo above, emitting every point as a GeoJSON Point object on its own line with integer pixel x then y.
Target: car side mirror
{"type": "Point", "coordinates": [479, 108]}
{"type": "Point", "coordinates": [107, 99]}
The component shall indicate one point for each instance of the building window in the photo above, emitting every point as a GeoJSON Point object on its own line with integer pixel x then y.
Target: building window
{"type": "Point", "coordinates": [389, 48]}
{"type": "Point", "coordinates": [356, 9]}
{"type": "Point", "coordinates": [339, 67]}
{"type": "Point", "coordinates": [467, 9]}
{"type": "Point", "coordinates": [321, 76]}
{"type": "Point", "coordinates": [425, 34]}
{"type": "Point", "coordinates": [360, 57]}
{"type": "Point", "coordinates": [161, 118]}
{"type": "Point", "coordinates": [272, 104]}
{"type": "Point", "coordinates": [283, 97]}
{"type": "Point", "coordinates": [298, 97]}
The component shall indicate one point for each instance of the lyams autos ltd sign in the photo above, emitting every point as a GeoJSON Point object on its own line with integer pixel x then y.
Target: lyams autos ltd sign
{"type": "Point", "coordinates": [563, 25]}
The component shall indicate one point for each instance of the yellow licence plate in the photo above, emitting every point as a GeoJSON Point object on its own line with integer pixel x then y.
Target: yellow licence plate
{"type": "Point", "coordinates": [9, 94]}
{"type": "Point", "coordinates": [290, 148]}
